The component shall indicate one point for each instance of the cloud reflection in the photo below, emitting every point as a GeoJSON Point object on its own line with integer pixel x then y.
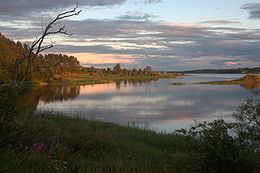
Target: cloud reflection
{"type": "Point", "coordinates": [153, 105]}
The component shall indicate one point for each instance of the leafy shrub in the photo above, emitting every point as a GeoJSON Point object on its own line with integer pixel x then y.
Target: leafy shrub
{"type": "Point", "coordinates": [228, 147]}
{"type": "Point", "coordinates": [8, 101]}
{"type": "Point", "coordinates": [248, 124]}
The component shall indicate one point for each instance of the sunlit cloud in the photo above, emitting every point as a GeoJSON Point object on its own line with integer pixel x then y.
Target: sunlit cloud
{"type": "Point", "coordinates": [186, 25]}
{"type": "Point", "coordinates": [91, 58]}
{"type": "Point", "coordinates": [181, 103]}
{"type": "Point", "coordinates": [219, 22]}
{"type": "Point", "coordinates": [7, 33]}
{"type": "Point", "coordinates": [232, 63]}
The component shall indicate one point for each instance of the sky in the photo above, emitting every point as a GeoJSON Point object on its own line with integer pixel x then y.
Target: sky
{"type": "Point", "coordinates": [168, 35]}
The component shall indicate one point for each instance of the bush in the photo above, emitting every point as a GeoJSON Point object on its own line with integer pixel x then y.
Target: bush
{"type": "Point", "coordinates": [248, 124]}
{"type": "Point", "coordinates": [8, 101]}
{"type": "Point", "coordinates": [228, 147]}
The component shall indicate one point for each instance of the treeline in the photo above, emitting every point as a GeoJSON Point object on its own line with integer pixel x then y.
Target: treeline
{"type": "Point", "coordinates": [10, 50]}
{"type": "Point", "coordinates": [118, 71]}
{"type": "Point", "coordinates": [255, 70]}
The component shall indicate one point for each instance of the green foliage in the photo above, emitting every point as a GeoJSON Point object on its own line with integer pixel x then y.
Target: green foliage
{"type": "Point", "coordinates": [248, 124]}
{"type": "Point", "coordinates": [117, 69]}
{"type": "Point", "coordinates": [10, 50]}
{"type": "Point", "coordinates": [47, 143]}
{"type": "Point", "coordinates": [148, 69]}
{"type": "Point", "coordinates": [118, 73]}
{"type": "Point", "coordinates": [8, 101]}
{"type": "Point", "coordinates": [134, 72]}
{"type": "Point", "coordinates": [219, 151]}
{"type": "Point", "coordinates": [228, 147]}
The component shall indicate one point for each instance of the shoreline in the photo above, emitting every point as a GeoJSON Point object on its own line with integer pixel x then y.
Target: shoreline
{"type": "Point", "coordinates": [249, 81]}
{"type": "Point", "coordinates": [85, 79]}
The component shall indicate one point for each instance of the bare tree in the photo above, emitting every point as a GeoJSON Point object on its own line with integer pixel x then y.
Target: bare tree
{"type": "Point", "coordinates": [37, 47]}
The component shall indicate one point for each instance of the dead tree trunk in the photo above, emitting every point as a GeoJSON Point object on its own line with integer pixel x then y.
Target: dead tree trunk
{"type": "Point", "coordinates": [37, 47]}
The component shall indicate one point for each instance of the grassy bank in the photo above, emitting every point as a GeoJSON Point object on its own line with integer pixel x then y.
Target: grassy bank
{"type": "Point", "coordinates": [85, 79]}
{"type": "Point", "coordinates": [57, 143]}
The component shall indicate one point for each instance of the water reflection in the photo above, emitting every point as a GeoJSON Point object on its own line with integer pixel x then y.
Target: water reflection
{"type": "Point", "coordinates": [60, 93]}
{"type": "Point", "coordinates": [150, 104]}
{"type": "Point", "coordinates": [251, 85]}
{"type": "Point", "coordinates": [133, 82]}
{"type": "Point", "coordinates": [31, 98]}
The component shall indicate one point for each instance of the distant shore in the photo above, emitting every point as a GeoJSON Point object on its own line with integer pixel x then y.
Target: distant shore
{"type": "Point", "coordinates": [86, 79]}
{"type": "Point", "coordinates": [249, 81]}
{"type": "Point", "coordinates": [255, 70]}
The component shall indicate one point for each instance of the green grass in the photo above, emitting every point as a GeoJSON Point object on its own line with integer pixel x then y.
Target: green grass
{"type": "Point", "coordinates": [43, 143]}
{"type": "Point", "coordinates": [85, 79]}
{"type": "Point", "coordinates": [232, 82]}
{"type": "Point", "coordinates": [58, 143]}
{"type": "Point", "coordinates": [178, 83]}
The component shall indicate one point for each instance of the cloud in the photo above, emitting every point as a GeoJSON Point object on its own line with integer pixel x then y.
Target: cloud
{"type": "Point", "coordinates": [162, 45]}
{"type": "Point", "coordinates": [135, 15]}
{"type": "Point", "coordinates": [232, 63]}
{"type": "Point", "coordinates": [18, 7]}
{"type": "Point", "coordinates": [22, 8]}
{"type": "Point", "coordinates": [166, 46]}
{"type": "Point", "coordinates": [219, 22]}
{"type": "Point", "coordinates": [253, 9]}
{"type": "Point", "coordinates": [152, 1]}
{"type": "Point", "coordinates": [91, 58]}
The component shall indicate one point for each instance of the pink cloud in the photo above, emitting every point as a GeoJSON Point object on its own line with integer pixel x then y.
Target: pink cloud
{"type": "Point", "coordinates": [185, 25]}
{"type": "Point", "coordinates": [91, 58]}
{"type": "Point", "coordinates": [231, 63]}
{"type": "Point", "coordinates": [6, 33]}
{"type": "Point", "coordinates": [217, 22]}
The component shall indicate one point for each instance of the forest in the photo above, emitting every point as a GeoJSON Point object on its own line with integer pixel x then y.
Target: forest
{"type": "Point", "coordinates": [10, 50]}
{"type": "Point", "coordinates": [66, 65]}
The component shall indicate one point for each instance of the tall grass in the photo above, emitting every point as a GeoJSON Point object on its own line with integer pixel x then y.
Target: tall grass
{"type": "Point", "coordinates": [40, 143]}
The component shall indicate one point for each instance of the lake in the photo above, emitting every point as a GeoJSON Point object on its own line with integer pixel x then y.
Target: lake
{"type": "Point", "coordinates": [155, 105]}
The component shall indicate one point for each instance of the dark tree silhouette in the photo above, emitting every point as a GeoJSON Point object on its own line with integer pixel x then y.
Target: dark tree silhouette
{"type": "Point", "coordinates": [148, 69]}
{"type": "Point", "coordinates": [37, 47]}
{"type": "Point", "coordinates": [117, 69]}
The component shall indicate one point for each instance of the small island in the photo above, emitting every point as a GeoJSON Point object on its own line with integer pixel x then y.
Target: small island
{"type": "Point", "coordinates": [249, 81]}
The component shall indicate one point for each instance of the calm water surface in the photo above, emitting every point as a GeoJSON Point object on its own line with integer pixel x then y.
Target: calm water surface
{"type": "Point", "coordinates": [154, 105]}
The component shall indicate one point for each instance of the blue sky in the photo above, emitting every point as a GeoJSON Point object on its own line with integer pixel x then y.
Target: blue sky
{"type": "Point", "coordinates": [164, 34]}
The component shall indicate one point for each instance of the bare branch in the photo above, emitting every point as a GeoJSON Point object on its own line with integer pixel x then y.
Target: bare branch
{"type": "Point", "coordinates": [74, 14]}
{"type": "Point", "coordinates": [41, 67]}
{"type": "Point", "coordinates": [46, 47]}
{"type": "Point", "coordinates": [37, 44]}
{"type": "Point", "coordinates": [67, 12]}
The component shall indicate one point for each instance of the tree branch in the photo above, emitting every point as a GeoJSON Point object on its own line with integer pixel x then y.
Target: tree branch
{"type": "Point", "coordinates": [37, 44]}
{"type": "Point", "coordinates": [41, 67]}
{"type": "Point", "coordinates": [46, 47]}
